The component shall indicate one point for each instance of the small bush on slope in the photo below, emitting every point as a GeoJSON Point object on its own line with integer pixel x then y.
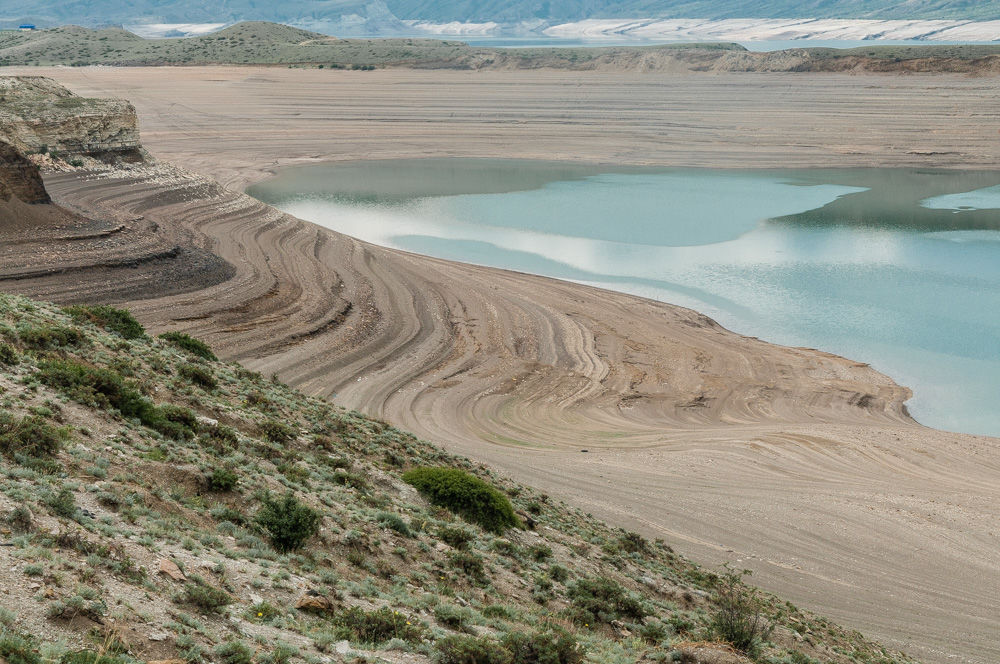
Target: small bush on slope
{"type": "Point", "coordinates": [471, 650]}
{"type": "Point", "coordinates": [204, 596]}
{"type": "Point", "coordinates": [602, 600]}
{"type": "Point", "coordinates": [556, 646]}
{"type": "Point", "coordinates": [8, 355]}
{"type": "Point", "coordinates": [466, 495]}
{"type": "Point", "coordinates": [96, 386]}
{"type": "Point", "coordinates": [223, 479]}
{"type": "Point", "coordinates": [119, 321]}
{"type": "Point", "coordinates": [740, 619]}
{"type": "Point", "coordinates": [189, 344]}
{"type": "Point", "coordinates": [233, 652]}
{"type": "Point", "coordinates": [376, 627]}
{"type": "Point", "coordinates": [30, 436]}
{"type": "Point", "coordinates": [49, 337]}
{"type": "Point", "coordinates": [18, 649]}
{"type": "Point", "coordinates": [288, 523]}
{"type": "Point", "coordinates": [200, 376]}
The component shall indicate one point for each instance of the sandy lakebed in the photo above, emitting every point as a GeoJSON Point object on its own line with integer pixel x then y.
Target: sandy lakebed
{"type": "Point", "coordinates": [797, 464]}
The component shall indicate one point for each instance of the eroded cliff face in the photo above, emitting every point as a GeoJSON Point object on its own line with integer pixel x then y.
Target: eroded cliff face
{"type": "Point", "coordinates": [39, 115]}
{"type": "Point", "coordinates": [19, 178]}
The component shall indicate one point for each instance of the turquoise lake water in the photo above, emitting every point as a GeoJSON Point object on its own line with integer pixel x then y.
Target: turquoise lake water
{"type": "Point", "coordinates": [898, 268]}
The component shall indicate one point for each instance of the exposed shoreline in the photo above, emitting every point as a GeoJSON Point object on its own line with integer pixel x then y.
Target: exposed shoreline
{"type": "Point", "coordinates": [733, 446]}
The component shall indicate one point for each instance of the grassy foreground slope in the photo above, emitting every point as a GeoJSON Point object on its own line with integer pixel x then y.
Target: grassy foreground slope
{"type": "Point", "coordinates": [158, 504]}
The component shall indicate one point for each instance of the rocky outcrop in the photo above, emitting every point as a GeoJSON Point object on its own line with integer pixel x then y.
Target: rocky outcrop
{"type": "Point", "coordinates": [19, 178]}
{"type": "Point", "coordinates": [39, 115]}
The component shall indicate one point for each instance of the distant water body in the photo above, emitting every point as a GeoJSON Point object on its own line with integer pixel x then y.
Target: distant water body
{"type": "Point", "coordinates": [536, 40]}
{"type": "Point", "coordinates": [898, 268]}
{"type": "Point", "coordinates": [759, 45]}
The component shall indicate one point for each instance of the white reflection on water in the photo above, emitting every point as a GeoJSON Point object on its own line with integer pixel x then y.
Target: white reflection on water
{"type": "Point", "coordinates": [922, 306]}
{"type": "Point", "coordinates": [980, 199]}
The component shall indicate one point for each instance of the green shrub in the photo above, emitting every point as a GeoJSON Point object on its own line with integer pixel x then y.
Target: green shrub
{"type": "Point", "coordinates": [470, 564]}
{"type": "Point", "coordinates": [190, 344]}
{"type": "Point", "coordinates": [62, 503]}
{"type": "Point", "coordinates": [95, 386]}
{"type": "Point", "coordinates": [540, 552]}
{"type": "Point", "coordinates": [288, 523]}
{"type": "Point", "coordinates": [119, 321]}
{"type": "Point", "coordinates": [350, 479]}
{"type": "Point", "coordinates": [281, 654]}
{"type": "Point", "coordinates": [233, 652]}
{"type": "Point", "coordinates": [20, 520]}
{"type": "Point", "coordinates": [200, 376]}
{"type": "Point", "coordinates": [633, 543]}
{"type": "Point", "coordinates": [223, 479]}
{"type": "Point", "coordinates": [263, 612]}
{"type": "Point", "coordinates": [454, 617]}
{"type": "Point", "coordinates": [471, 650]}
{"type": "Point", "coordinates": [337, 462]}
{"type": "Point", "coordinates": [49, 337]}
{"type": "Point", "coordinates": [226, 513]}
{"type": "Point", "coordinates": [375, 627]}
{"type": "Point", "coordinates": [456, 537]}
{"type": "Point", "coordinates": [554, 646]}
{"type": "Point", "coordinates": [179, 415]}
{"type": "Point", "coordinates": [654, 632]}
{"type": "Point", "coordinates": [394, 522]}
{"type": "Point", "coordinates": [221, 437]}
{"type": "Point", "coordinates": [277, 432]}
{"type": "Point", "coordinates": [91, 657]}
{"type": "Point", "coordinates": [739, 619]}
{"type": "Point", "coordinates": [18, 649]}
{"type": "Point", "coordinates": [31, 436]}
{"type": "Point", "coordinates": [8, 355]}
{"type": "Point", "coordinates": [601, 600]}
{"type": "Point", "coordinates": [466, 495]}
{"type": "Point", "coordinates": [205, 597]}
{"type": "Point", "coordinates": [498, 611]}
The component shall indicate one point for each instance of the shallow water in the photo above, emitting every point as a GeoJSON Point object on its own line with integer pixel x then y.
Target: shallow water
{"type": "Point", "coordinates": [899, 268]}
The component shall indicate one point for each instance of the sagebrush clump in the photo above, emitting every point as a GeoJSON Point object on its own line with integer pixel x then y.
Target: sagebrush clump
{"type": "Point", "coordinates": [602, 600]}
{"type": "Point", "coordinates": [288, 523]}
{"type": "Point", "coordinates": [104, 388]}
{"type": "Point", "coordinates": [466, 495]}
{"type": "Point", "coordinates": [740, 619]}
{"type": "Point", "coordinates": [119, 321]}
{"type": "Point", "coordinates": [188, 343]}
{"type": "Point", "coordinates": [376, 627]}
{"type": "Point", "coordinates": [30, 436]}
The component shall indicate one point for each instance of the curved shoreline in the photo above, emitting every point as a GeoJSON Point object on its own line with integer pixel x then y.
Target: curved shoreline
{"type": "Point", "coordinates": [735, 446]}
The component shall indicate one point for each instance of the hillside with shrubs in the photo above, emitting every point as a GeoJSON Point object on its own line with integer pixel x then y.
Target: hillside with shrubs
{"type": "Point", "coordinates": [161, 505]}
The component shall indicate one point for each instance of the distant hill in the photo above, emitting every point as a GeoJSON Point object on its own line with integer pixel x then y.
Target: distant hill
{"type": "Point", "coordinates": [262, 43]}
{"type": "Point", "coordinates": [511, 11]}
{"type": "Point", "coordinates": [376, 16]}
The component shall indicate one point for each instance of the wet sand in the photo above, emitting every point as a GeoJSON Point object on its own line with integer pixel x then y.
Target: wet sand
{"type": "Point", "coordinates": [797, 464]}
